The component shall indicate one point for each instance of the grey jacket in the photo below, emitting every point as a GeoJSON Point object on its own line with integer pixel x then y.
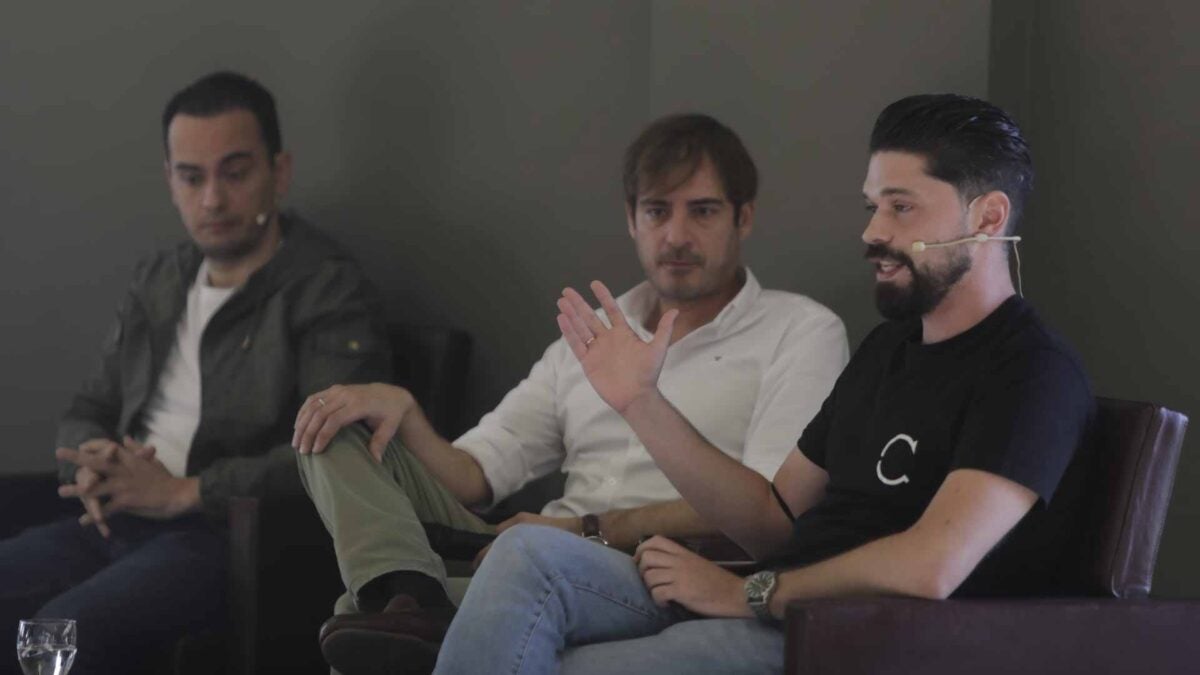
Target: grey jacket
{"type": "Point", "coordinates": [306, 320]}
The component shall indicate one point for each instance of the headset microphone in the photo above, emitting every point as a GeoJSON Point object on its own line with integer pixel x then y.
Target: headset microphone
{"type": "Point", "coordinates": [919, 246]}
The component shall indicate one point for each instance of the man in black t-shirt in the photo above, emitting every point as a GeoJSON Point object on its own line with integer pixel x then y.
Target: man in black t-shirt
{"type": "Point", "coordinates": [944, 461]}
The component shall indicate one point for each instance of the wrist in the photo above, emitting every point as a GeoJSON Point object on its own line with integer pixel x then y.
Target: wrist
{"type": "Point", "coordinates": [185, 496]}
{"type": "Point", "coordinates": [642, 404]}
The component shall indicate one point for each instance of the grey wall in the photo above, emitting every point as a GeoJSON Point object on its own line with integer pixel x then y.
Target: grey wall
{"type": "Point", "coordinates": [468, 152]}
{"type": "Point", "coordinates": [1107, 93]}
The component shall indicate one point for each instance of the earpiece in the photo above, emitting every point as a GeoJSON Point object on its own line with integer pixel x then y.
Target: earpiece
{"type": "Point", "coordinates": [262, 218]}
{"type": "Point", "coordinates": [919, 246]}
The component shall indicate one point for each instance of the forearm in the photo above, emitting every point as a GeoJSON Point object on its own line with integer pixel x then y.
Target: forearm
{"type": "Point", "coordinates": [454, 468]}
{"type": "Point", "coordinates": [899, 564]}
{"type": "Point", "coordinates": [727, 495]}
{"type": "Point", "coordinates": [625, 528]}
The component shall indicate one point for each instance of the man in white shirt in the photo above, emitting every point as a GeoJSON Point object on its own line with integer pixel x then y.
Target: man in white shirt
{"type": "Point", "coordinates": [748, 367]}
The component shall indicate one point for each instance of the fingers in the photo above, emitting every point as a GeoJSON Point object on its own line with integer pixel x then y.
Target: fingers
{"type": "Point", "coordinates": [585, 313]}
{"type": "Point", "coordinates": [140, 450]}
{"type": "Point", "coordinates": [99, 461]}
{"type": "Point", "coordinates": [320, 408]}
{"type": "Point", "coordinates": [615, 316]}
{"type": "Point", "coordinates": [578, 325]}
{"type": "Point", "coordinates": [307, 409]}
{"type": "Point", "coordinates": [515, 520]}
{"type": "Point", "coordinates": [666, 326]}
{"type": "Point", "coordinates": [381, 437]}
{"type": "Point", "coordinates": [94, 515]}
{"type": "Point", "coordinates": [578, 348]}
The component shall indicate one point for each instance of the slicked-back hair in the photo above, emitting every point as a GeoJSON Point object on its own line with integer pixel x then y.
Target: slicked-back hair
{"type": "Point", "coordinates": [967, 142]}
{"type": "Point", "coordinates": [673, 147]}
{"type": "Point", "coordinates": [222, 92]}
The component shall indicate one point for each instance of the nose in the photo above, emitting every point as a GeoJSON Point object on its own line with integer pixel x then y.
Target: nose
{"type": "Point", "coordinates": [876, 231]}
{"type": "Point", "coordinates": [678, 230]}
{"type": "Point", "coordinates": [213, 197]}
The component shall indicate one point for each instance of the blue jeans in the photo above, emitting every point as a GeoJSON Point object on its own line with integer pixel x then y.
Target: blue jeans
{"type": "Point", "coordinates": [547, 601]}
{"type": "Point", "coordinates": [131, 595]}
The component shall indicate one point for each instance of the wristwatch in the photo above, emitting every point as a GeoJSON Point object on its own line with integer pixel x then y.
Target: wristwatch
{"type": "Point", "coordinates": [591, 529]}
{"type": "Point", "coordinates": [759, 588]}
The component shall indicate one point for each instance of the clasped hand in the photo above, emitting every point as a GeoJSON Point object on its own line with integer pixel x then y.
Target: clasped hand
{"type": "Point", "coordinates": [124, 478]}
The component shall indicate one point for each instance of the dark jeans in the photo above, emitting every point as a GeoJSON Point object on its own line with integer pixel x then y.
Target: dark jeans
{"type": "Point", "coordinates": [131, 595]}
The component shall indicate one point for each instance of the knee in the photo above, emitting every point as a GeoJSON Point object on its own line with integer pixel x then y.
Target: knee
{"type": "Point", "coordinates": [525, 548]}
{"type": "Point", "coordinates": [349, 443]}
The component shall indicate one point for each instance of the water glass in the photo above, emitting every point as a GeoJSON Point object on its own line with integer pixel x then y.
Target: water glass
{"type": "Point", "coordinates": [46, 646]}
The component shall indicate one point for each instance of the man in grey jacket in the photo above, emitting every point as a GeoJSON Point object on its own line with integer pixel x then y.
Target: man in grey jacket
{"type": "Point", "coordinates": [216, 344]}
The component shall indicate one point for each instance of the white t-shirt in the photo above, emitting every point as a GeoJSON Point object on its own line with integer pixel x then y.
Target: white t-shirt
{"type": "Point", "coordinates": [749, 381]}
{"type": "Point", "coordinates": [172, 415]}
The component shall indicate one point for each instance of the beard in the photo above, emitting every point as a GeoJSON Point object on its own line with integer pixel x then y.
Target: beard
{"type": "Point", "coordinates": [927, 288]}
{"type": "Point", "coordinates": [236, 249]}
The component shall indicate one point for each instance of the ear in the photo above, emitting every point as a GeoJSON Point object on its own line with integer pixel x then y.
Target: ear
{"type": "Point", "coordinates": [993, 209]}
{"type": "Point", "coordinates": [745, 221]}
{"type": "Point", "coordinates": [283, 174]}
{"type": "Point", "coordinates": [631, 221]}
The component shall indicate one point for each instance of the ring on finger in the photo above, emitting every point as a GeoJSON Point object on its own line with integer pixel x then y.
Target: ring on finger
{"type": "Point", "coordinates": [321, 401]}
{"type": "Point", "coordinates": [589, 341]}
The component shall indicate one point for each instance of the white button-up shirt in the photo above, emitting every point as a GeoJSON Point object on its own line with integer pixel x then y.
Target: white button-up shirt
{"type": "Point", "coordinates": [749, 381]}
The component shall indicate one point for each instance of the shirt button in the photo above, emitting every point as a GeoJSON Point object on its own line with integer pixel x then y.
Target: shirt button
{"type": "Point", "coordinates": [610, 481]}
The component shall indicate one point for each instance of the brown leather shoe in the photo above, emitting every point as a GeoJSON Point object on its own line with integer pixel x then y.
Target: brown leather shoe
{"type": "Point", "coordinates": [403, 638]}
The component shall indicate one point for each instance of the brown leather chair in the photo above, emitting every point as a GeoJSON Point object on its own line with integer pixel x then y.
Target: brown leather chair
{"type": "Point", "coordinates": [1108, 627]}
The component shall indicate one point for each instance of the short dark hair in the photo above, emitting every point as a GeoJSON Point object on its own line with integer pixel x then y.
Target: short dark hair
{"type": "Point", "coordinates": [682, 141]}
{"type": "Point", "coordinates": [967, 142]}
{"type": "Point", "coordinates": [222, 92]}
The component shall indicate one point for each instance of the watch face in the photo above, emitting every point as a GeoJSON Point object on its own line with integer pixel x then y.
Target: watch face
{"type": "Point", "coordinates": [759, 584]}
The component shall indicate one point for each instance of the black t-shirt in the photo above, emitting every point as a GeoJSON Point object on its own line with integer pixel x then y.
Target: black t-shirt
{"type": "Point", "coordinates": [1007, 396]}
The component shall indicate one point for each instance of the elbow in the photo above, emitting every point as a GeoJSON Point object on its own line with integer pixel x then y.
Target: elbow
{"type": "Point", "coordinates": [937, 581]}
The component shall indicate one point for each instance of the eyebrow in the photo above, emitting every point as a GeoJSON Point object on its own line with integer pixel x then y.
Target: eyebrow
{"type": "Point", "coordinates": [703, 201]}
{"type": "Point", "coordinates": [893, 191]}
{"type": "Point", "coordinates": [231, 157]}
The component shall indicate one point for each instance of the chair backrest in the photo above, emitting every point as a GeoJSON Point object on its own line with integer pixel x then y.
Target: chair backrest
{"type": "Point", "coordinates": [1136, 452]}
{"type": "Point", "coordinates": [431, 362]}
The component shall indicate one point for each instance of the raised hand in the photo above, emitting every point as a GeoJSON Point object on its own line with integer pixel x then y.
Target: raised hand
{"type": "Point", "coordinates": [381, 406]}
{"type": "Point", "coordinates": [620, 366]}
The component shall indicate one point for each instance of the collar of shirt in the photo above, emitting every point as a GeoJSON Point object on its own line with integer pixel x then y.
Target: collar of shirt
{"type": "Point", "coordinates": [639, 302]}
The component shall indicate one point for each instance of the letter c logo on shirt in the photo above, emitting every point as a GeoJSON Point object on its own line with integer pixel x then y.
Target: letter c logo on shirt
{"type": "Point", "coordinates": [912, 447]}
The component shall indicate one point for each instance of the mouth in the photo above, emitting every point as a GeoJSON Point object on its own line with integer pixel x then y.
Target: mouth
{"type": "Point", "coordinates": [678, 266]}
{"type": "Point", "coordinates": [887, 270]}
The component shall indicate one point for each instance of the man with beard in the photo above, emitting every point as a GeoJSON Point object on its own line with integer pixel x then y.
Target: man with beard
{"type": "Point", "coordinates": [747, 366]}
{"type": "Point", "coordinates": [943, 462]}
{"type": "Point", "coordinates": [216, 344]}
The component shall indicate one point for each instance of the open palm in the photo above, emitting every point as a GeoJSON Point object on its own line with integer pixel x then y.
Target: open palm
{"type": "Point", "coordinates": [618, 363]}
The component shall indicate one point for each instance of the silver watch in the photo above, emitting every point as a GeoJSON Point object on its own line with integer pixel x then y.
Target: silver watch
{"type": "Point", "coordinates": [759, 588]}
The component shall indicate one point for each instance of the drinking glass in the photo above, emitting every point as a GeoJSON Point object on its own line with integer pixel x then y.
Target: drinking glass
{"type": "Point", "coordinates": [46, 646]}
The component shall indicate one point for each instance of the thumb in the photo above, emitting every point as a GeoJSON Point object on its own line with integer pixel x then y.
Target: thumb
{"type": "Point", "coordinates": [666, 326]}
{"type": "Point", "coordinates": [381, 437]}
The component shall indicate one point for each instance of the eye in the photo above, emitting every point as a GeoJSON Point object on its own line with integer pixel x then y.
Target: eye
{"type": "Point", "coordinates": [705, 211]}
{"type": "Point", "coordinates": [871, 208]}
{"type": "Point", "coordinates": [191, 179]}
{"type": "Point", "coordinates": [236, 175]}
{"type": "Point", "coordinates": [900, 207]}
{"type": "Point", "coordinates": [655, 212]}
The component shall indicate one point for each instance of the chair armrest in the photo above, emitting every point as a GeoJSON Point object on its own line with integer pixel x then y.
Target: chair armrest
{"type": "Point", "coordinates": [1044, 635]}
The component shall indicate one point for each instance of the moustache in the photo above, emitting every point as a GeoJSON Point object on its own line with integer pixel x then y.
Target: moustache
{"type": "Point", "coordinates": [881, 252]}
{"type": "Point", "coordinates": [680, 256]}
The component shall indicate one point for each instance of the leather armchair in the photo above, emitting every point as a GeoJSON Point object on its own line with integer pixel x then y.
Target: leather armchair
{"type": "Point", "coordinates": [1106, 626]}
